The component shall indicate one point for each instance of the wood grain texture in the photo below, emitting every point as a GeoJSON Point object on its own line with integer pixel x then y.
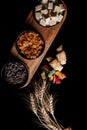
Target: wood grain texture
{"type": "Point", "coordinates": [48, 33]}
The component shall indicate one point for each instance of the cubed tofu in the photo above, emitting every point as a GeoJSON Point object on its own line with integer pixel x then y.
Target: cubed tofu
{"type": "Point", "coordinates": [43, 22]}
{"type": "Point", "coordinates": [38, 7]}
{"type": "Point", "coordinates": [50, 5]}
{"type": "Point", "coordinates": [44, 1]}
{"type": "Point", "coordinates": [38, 15]}
{"type": "Point", "coordinates": [44, 11]}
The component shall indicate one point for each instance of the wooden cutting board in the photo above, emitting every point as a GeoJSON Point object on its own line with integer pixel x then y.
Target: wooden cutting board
{"type": "Point", "coordinates": [48, 33]}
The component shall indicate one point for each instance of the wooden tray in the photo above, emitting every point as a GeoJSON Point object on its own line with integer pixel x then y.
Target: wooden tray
{"type": "Point", "coordinates": [48, 33]}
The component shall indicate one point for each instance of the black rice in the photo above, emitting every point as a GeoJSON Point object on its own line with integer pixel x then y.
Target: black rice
{"type": "Point", "coordinates": [14, 73]}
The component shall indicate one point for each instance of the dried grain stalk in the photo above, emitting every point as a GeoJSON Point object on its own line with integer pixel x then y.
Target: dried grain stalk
{"type": "Point", "coordinates": [41, 102]}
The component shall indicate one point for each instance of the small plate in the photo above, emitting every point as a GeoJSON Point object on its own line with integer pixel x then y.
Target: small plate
{"type": "Point", "coordinates": [49, 13]}
{"type": "Point", "coordinates": [30, 44]}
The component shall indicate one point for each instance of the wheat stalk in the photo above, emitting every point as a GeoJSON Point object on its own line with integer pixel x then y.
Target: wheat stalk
{"type": "Point", "coordinates": [41, 91]}
{"type": "Point", "coordinates": [33, 104]}
{"type": "Point", "coordinates": [41, 103]}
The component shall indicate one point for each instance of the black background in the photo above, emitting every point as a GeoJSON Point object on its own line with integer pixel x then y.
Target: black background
{"type": "Point", "coordinates": [69, 109]}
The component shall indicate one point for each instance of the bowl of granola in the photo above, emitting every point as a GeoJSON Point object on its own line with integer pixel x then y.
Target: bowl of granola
{"type": "Point", "coordinates": [30, 44]}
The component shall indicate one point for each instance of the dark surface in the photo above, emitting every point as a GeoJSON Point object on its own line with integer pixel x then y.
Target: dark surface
{"type": "Point", "coordinates": [13, 113]}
